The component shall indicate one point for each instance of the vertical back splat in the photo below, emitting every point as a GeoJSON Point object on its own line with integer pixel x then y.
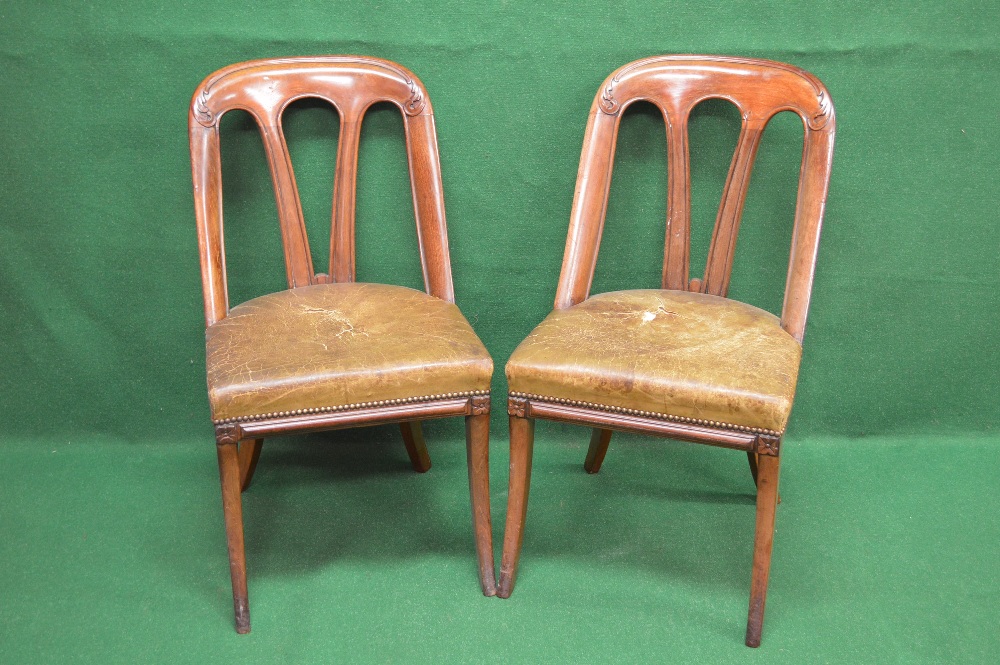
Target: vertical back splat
{"type": "Point", "coordinates": [342, 263]}
{"type": "Point", "coordinates": [677, 252]}
{"type": "Point", "coordinates": [676, 84]}
{"type": "Point", "coordinates": [264, 88]}
{"type": "Point", "coordinates": [727, 224]}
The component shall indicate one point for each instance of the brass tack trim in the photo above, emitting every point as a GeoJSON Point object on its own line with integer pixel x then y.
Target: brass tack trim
{"type": "Point", "coordinates": [648, 414]}
{"type": "Point", "coordinates": [350, 407]}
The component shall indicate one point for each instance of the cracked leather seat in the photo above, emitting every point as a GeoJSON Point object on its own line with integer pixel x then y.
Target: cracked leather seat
{"type": "Point", "coordinates": [683, 362]}
{"type": "Point", "coordinates": [330, 353]}
{"type": "Point", "coordinates": [666, 353]}
{"type": "Point", "coordinates": [334, 345]}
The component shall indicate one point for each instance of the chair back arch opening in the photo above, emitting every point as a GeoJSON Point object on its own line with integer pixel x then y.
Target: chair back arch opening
{"type": "Point", "coordinates": [351, 84]}
{"type": "Point", "coordinates": [759, 89]}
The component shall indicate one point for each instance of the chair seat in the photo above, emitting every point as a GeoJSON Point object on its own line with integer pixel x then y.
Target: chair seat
{"type": "Point", "coordinates": [337, 345]}
{"type": "Point", "coordinates": [671, 354]}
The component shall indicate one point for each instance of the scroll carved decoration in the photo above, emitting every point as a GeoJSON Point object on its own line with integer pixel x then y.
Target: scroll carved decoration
{"type": "Point", "coordinates": [416, 102]}
{"type": "Point", "coordinates": [818, 120]}
{"type": "Point", "coordinates": [201, 111]}
{"type": "Point", "coordinates": [412, 106]}
{"type": "Point", "coordinates": [822, 117]}
{"type": "Point", "coordinates": [517, 406]}
{"type": "Point", "coordinates": [759, 89]}
{"type": "Point", "coordinates": [768, 445]}
{"type": "Point", "coordinates": [480, 405]}
{"type": "Point", "coordinates": [608, 103]}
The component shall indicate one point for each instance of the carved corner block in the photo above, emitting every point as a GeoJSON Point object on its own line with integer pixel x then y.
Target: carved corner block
{"type": "Point", "coordinates": [768, 445]}
{"type": "Point", "coordinates": [479, 405]}
{"type": "Point", "coordinates": [517, 406]}
{"type": "Point", "coordinates": [228, 434]}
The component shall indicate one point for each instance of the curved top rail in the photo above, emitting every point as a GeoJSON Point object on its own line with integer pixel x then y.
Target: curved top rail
{"type": "Point", "coordinates": [676, 84]}
{"type": "Point", "coordinates": [264, 89]}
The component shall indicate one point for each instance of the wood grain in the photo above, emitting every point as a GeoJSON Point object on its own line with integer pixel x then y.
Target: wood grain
{"type": "Point", "coordinates": [676, 84]}
{"type": "Point", "coordinates": [351, 84]}
{"type": "Point", "coordinates": [522, 441]}
{"type": "Point", "coordinates": [477, 443]}
{"type": "Point", "coordinates": [416, 448]}
{"type": "Point", "coordinates": [249, 454]}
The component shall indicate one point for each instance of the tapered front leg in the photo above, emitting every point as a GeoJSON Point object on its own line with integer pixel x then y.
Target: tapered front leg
{"type": "Point", "coordinates": [752, 458]}
{"type": "Point", "coordinates": [413, 439]}
{"type": "Point", "coordinates": [599, 442]}
{"type": "Point", "coordinates": [767, 499]}
{"type": "Point", "coordinates": [522, 438]}
{"type": "Point", "coordinates": [477, 444]}
{"type": "Point", "coordinates": [232, 506]}
{"type": "Point", "coordinates": [249, 454]}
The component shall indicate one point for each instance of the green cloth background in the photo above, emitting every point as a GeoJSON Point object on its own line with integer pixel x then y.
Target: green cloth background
{"type": "Point", "coordinates": [887, 534]}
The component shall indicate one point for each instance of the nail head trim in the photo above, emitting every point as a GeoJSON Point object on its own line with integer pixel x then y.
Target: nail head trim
{"type": "Point", "coordinates": [357, 406]}
{"type": "Point", "coordinates": [644, 414]}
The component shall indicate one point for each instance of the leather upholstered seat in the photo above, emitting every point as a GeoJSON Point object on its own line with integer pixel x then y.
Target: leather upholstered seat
{"type": "Point", "coordinates": [334, 345]}
{"type": "Point", "coordinates": [683, 362]}
{"type": "Point", "coordinates": [672, 354]}
{"type": "Point", "coordinates": [329, 353]}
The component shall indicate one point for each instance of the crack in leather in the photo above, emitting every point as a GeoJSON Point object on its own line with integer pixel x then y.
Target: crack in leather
{"type": "Point", "coordinates": [333, 345]}
{"type": "Point", "coordinates": [673, 353]}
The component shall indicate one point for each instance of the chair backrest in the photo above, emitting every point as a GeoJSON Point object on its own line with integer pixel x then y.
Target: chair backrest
{"type": "Point", "coordinates": [265, 88]}
{"type": "Point", "coordinates": [676, 84]}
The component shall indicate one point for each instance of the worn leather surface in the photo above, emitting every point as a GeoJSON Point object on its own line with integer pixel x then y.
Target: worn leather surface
{"type": "Point", "coordinates": [335, 344]}
{"type": "Point", "coordinates": [669, 352]}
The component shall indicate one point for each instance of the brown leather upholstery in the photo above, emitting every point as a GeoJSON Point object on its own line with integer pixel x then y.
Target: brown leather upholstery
{"type": "Point", "coordinates": [331, 345]}
{"type": "Point", "coordinates": [666, 352]}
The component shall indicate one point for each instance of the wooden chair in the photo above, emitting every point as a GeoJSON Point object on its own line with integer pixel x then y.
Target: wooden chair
{"type": "Point", "coordinates": [683, 362]}
{"type": "Point", "coordinates": [329, 352]}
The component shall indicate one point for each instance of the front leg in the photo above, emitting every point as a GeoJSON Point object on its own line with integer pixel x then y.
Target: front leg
{"type": "Point", "coordinates": [232, 506]}
{"type": "Point", "coordinates": [522, 439]}
{"type": "Point", "coordinates": [477, 441]}
{"type": "Point", "coordinates": [768, 467]}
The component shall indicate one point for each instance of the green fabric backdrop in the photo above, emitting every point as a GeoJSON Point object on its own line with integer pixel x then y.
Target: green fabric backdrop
{"type": "Point", "coordinates": [111, 539]}
{"type": "Point", "coordinates": [102, 322]}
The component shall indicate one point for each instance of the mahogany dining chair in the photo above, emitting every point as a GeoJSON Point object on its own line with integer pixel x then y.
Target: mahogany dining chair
{"type": "Point", "coordinates": [329, 352]}
{"type": "Point", "coordinates": [683, 361]}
